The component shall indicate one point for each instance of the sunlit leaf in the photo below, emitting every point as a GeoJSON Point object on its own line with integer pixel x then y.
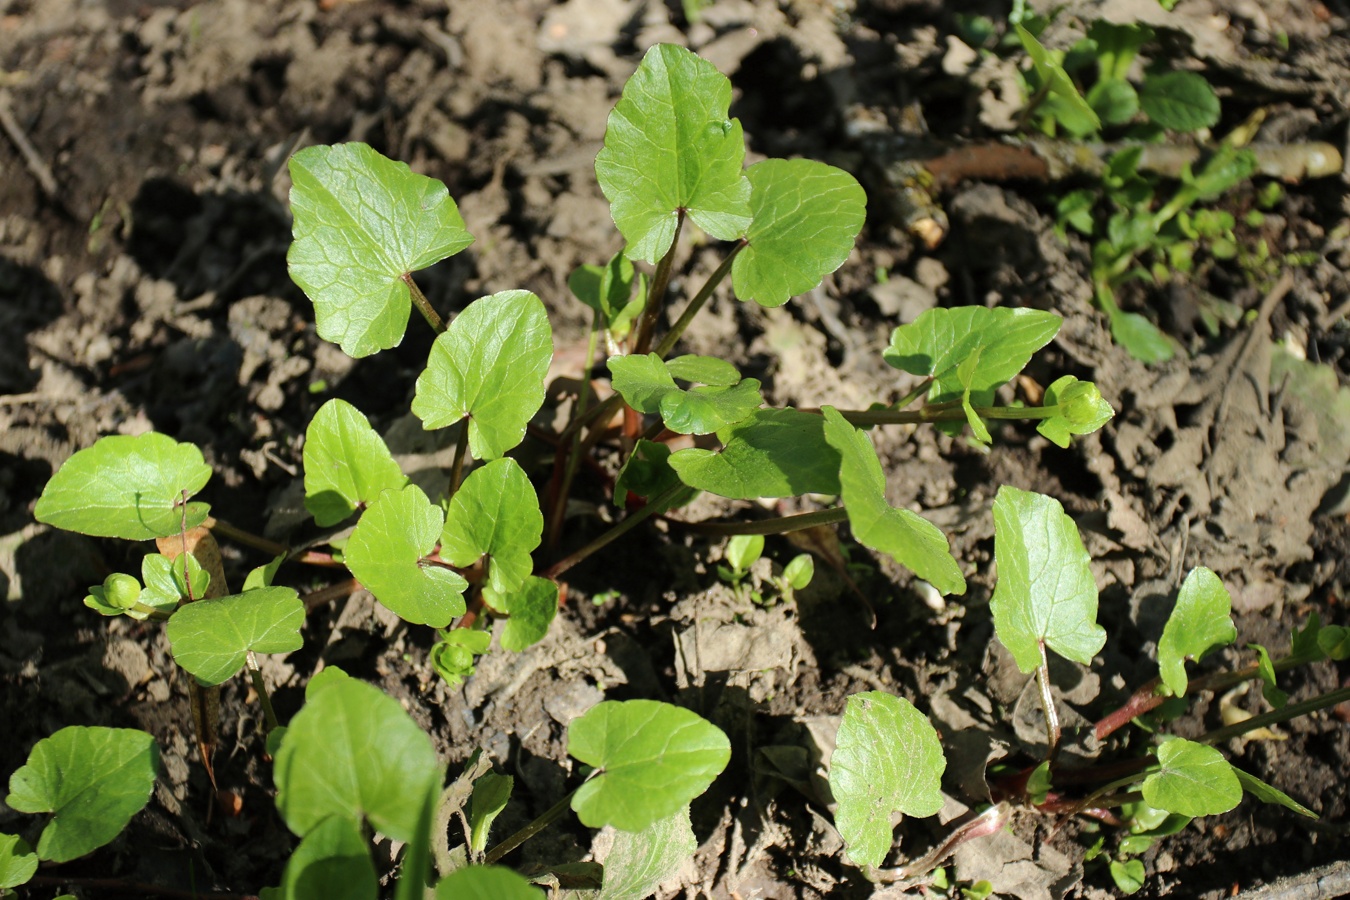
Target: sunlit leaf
{"type": "Point", "coordinates": [346, 463]}
{"type": "Point", "coordinates": [495, 513]}
{"type": "Point", "coordinates": [532, 608]}
{"type": "Point", "coordinates": [212, 638]}
{"type": "Point", "coordinates": [646, 384]}
{"type": "Point", "coordinates": [772, 453]}
{"type": "Point", "coordinates": [1194, 780]}
{"type": "Point", "coordinates": [1200, 622]}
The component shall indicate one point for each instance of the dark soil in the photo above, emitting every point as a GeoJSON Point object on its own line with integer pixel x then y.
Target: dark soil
{"type": "Point", "coordinates": [147, 289]}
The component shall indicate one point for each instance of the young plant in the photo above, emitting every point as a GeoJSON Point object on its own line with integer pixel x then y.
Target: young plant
{"type": "Point", "coordinates": [473, 553]}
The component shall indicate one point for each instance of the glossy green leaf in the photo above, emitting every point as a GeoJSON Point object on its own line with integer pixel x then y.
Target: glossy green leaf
{"type": "Point", "coordinates": [742, 551]}
{"type": "Point", "coordinates": [1200, 622]}
{"type": "Point", "coordinates": [385, 554]}
{"type": "Point", "coordinates": [1270, 794]}
{"type": "Point", "coordinates": [653, 759]}
{"type": "Point", "coordinates": [703, 370]}
{"type": "Point", "coordinates": [1082, 410]}
{"type": "Point", "coordinates": [639, 861]}
{"type": "Point", "coordinates": [489, 365]}
{"type": "Point", "coordinates": [167, 585]}
{"type": "Point", "coordinates": [887, 758]}
{"type": "Point", "coordinates": [608, 289]}
{"type": "Point", "coordinates": [494, 512]}
{"type": "Point", "coordinates": [532, 608]}
{"type": "Point", "coordinates": [212, 638]}
{"type": "Point", "coordinates": [806, 217]}
{"type": "Point", "coordinates": [1181, 101]}
{"type": "Point", "coordinates": [18, 862]}
{"type": "Point", "coordinates": [940, 340]}
{"type": "Point", "coordinates": [262, 576]}
{"type": "Point", "coordinates": [646, 384]}
{"type": "Point", "coordinates": [910, 539]}
{"type": "Point", "coordinates": [346, 463]}
{"type": "Point", "coordinates": [332, 861]}
{"type": "Point", "coordinates": [486, 883]}
{"type": "Point", "coordinates": [127, 487]}
{"type": "Point", "coordinates": [670, 145]}
{"type": "Point", "coordinates": [1061, 87]}
{"type": "Point", "coordinates": [1045, 592]}
{"type": "Point", "coordinates": [1141, 338]}
{"type": "Point", "coordinates": [91, 780]}
{"type": "Point", "coordinates": [1269, 686]}
{"type": "Point", "coordinates": [352, 752]}
{"type": "Point", "coordinates": [363, 223]}
{"type": "Point", "coordinates": [772, 453]}
{"type": "Point", "coordinates": [1128, 874]}
{"type": "Point", "coordinates": [1194, 780]}
{"type": "Point", "coordinates": [490, 794]}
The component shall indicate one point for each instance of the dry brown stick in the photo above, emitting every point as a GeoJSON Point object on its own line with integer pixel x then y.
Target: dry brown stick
{"type": "Point", "coordinates": [31, 157]}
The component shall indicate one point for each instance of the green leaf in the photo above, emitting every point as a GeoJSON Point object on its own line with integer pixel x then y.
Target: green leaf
{"type": "Point", "coordinates": [352, 752]}
{"type": "Point", "coordinates": [118, 593]}
{"type": "Point", "coordinates": [606, 289]}
{"type": "Point", "coordinates": [1128, 875]}
{"type": "Point", "coordinates": [1061, 86]}
{"type": "Point", "coordinates": [166, 585]}
{"type": "Point", "coordinates": [639, 861]}
{"type": "Point", "coordinates": [18, 862]}
{"type": "Point", "coordinates": [1270, 794]}
{"type": "Point", "coordinates": [887, 758]}
{"type": "Point", "coordinates": [212, 638]}
{"type": "Point", "coordinates": [1334, 641]}
{"type": "Point", "coordinates": [646, 472]}
{"type": "Point", "coordinates": [333, 861]}
{"type": "Point", "coordinates": [654, 758]}
{"type": "Point", "coordinates": [490, 794]}
{"type": "Point", "coordinates": [940, 340]}
{"type": "Point", "coordinates": [346, 463]}
{"type": "Point", "coordinates": [494, 512]}
{"type": "Point", "coordinates": [1200, 622]}
{"type": "Point", "coordinates": [1181, 101]}
{"type": "Point", "coordinates": [1114, 102]}
{"type": "Point", "coordinates": [806, 217]}
{"type": "Point", "coordinates": [799, 572]}
{"type": "Point", "coordinates": [1141, 338]}
{"type": "Point", "coordinates": [646, 384]}
{"type": "Point", "coordinates": [532, 608]}
{"type": "Point", "coordinates": [91, 779]}
{"type": "Point", "coordinates": [262, 576]}
{"type": "Point", "coordinates": [486, 883]}
{"type": "Point", "coordinates": [910, 539]}
{"type": "Point", "coordinates": [1045, 592]}
{"type": "Point", "coordinates": [1194, 780]}
{"type": "Point", "coordinates": [489, 365]}
{"type": "Point", "coordinates": [362, 224]}
{"type": "Point", "coordinates": [385, 554]}
{"type": "Point", "coordinates": [1269, 688]}
{"type": "Point", "coordinates": [703, 370]}
{"type": "Point", "coordinates": [1082, 410]}
{"type": "Point", "coordinates": [126, 487]}
{"type": "Point", "coordinates": [670, 145]}
{"type": "Point", "coordinates": [742, 551]}
{"type": "Point", "coordinates": [773, 453]}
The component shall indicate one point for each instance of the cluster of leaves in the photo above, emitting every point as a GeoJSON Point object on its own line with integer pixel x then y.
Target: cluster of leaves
{"type": "Point", "coordinates": [462, 560]}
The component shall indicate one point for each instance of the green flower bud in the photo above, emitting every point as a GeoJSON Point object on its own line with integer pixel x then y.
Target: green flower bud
{"type": "Point", "coordinates": [121, 590]}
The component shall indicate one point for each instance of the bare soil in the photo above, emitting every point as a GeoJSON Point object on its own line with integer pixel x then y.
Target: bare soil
{"type": "Point", "coordinates": [144, 287]}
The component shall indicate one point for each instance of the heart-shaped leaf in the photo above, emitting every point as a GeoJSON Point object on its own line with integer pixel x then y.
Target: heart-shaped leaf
{"type": "Point", "coordinates": [352, 752]}
{"type": "Point", "coordinates": [127, 487]}
{"type": "Point", "coordinates": [91, 779]}
{"type": "Point", "coordinates": [532, 608]}
{"type": "Point", "coordinates": [905, 536]}
{"type": "Point", "coordinates": [806, 217]}
{"type": "Point", "coordinates": [385, 553]}
{"type": "Point", "coordinates": [486, 883]}
{"type": "Point", "coordinates": [1194, 780]}
{"type": "Point", "coordinates": [1200, 622]}
{"type": "Point", "coordinates": [489, 365]}
{"type": "Point", "coordinates": [671, 146]}
{"type": "Point", "coordinates": [654, 758]}
{"type": "Point", "coordinates": [332, 861]}
{"type": "Point", "coordinates": [773, 453]}
{"type": "Point", "coordinates": [18, 862]}
{"type": "Point", "coordinates": [212, 638]}
{"type": "Point", "coordinates": [363, 223]}
{"type": "Point", "coordinates": [887, 758]}
{"type": "Point", "coordinates": [494, 512]}
{"type": "Point", "coordinates": [346, 463]}
{"type": "Point", "coordinates": [1045, 592]}
{"type": "Point", "coordinates": [646, 384]}
{"type": "Point", "coordinates": [639, 861]}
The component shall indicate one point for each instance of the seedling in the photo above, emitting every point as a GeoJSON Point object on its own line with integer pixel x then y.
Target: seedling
{"type": "Point", "coordinates": [743, 551]}
{"type": "Point", "coordinates": [476, 554]}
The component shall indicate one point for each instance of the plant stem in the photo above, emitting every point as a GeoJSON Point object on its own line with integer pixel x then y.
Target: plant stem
{"type": "Point", "coordinates": [549, 816]}
{"type": "Point", "coordinates": [656, 294]}
{"type": "Point", "coordinates": [247, 538]}
{"type": "Point", "coordinates": [659, 503]}
{"type": "Point", "coordinates": [260, 688]}
{"type": "Point", "coordinates": [461, 451]}
{"type": "Point", "coordinates": [776, 525]}
{"type": "Point", "coordinates": [1052, 730]}
{"type": "Point", "coordinates": [950, 411]}
{"type": "Point", "coordinates": [919, 390]}
{"type": "Point", "coordinates": [1274, 717]}
{"type": "Point", "coordinates": [700, 299]}
{"type": "Point", "coordinates": [423, 305]}
{"type": "Point", "coordinates": [986, 823]}
{"type": "Point", "coordinates": [322, 596]}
